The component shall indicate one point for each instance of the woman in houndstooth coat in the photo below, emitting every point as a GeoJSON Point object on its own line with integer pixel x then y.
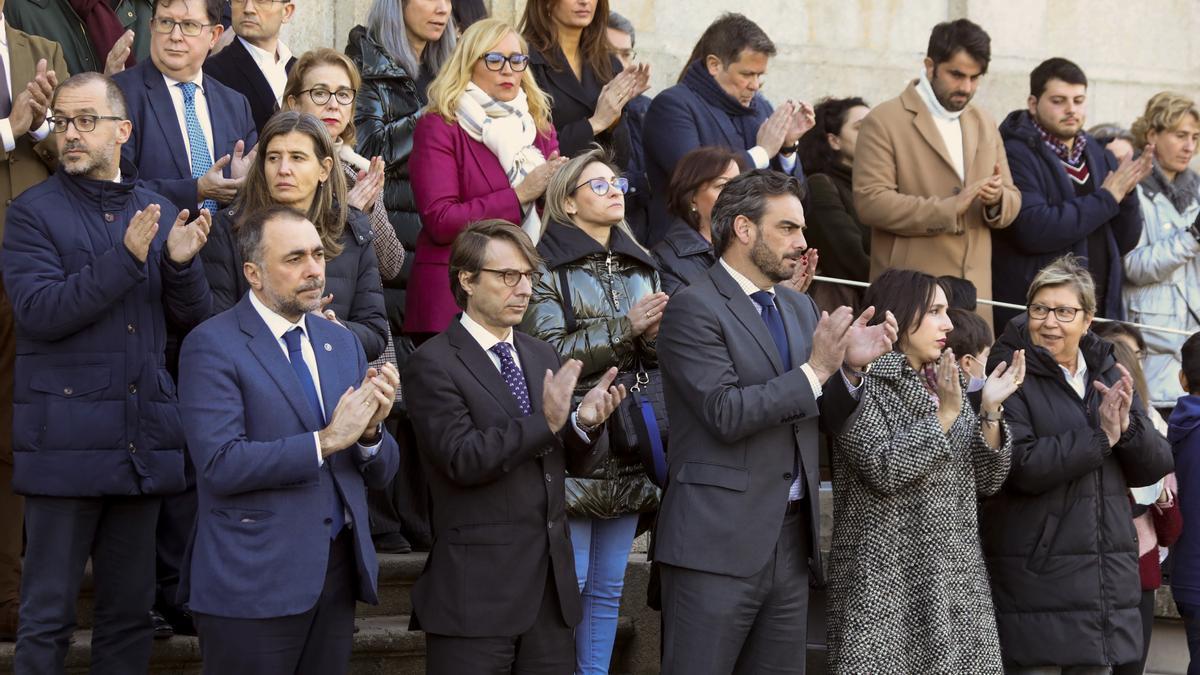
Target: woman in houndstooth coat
{"type": "Point", "coordinates": [908, 590]}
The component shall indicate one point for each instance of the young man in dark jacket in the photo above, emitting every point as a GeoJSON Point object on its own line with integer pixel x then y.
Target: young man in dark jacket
{"type": "Point", "coordinates": [1185, 441]}
{"type": "Point", "coordinates": [1075, 198]}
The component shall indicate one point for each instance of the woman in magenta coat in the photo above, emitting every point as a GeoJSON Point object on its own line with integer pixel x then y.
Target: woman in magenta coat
{"type": "Point", "coordinates": [485, 148]}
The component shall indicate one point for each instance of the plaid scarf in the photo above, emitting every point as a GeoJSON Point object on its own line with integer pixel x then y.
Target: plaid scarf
{"type": "Point", "coordinates": [1069, 155]}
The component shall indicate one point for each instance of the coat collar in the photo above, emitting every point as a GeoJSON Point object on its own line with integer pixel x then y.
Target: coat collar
{"type": "Point", "coordinates": [685, 241]}
{"type": "Point", "coordinates": [740, 305]}
{"type": "Point", "coordinates": [105, 195]}
{"type": "Point", "coordinates": [562, 78]}
{"type": "Point", "coordinates": [163, 110]}
{"type": "Point", "coordinates": [561, 244]}
{"type": "Point", "coordinates": [923, 121]}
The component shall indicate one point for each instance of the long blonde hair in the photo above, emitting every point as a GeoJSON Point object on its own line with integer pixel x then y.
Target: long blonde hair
{"type": "Point", "coordinates": [562, 186]}
{"type": "Point", "coordinates": [455, 75]}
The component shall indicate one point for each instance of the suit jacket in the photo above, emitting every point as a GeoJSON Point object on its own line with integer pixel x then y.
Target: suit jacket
{"type": "Point", "coordinates": [28, 164]}
{"type": "Point", "coordinates": [905, 188]}
{"type": "Point", "coordinates": [235, 68]}
{"type": "Point", "coordinates": [496, 488]}
{"type": "Point", "coordinates": [261, 541]}
{"type": "Point", "coordinates": [156, 146]}
{"type": "Point", "coordinates": [739, 426]}
{"type": "Point", "coordinates": [459, 182]}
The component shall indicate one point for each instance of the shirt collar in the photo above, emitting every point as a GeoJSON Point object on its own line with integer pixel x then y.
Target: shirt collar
{"type": "Point", "coordinates": [3, 33]}
{"type": "Point", "coordinates": [281, 56]}
{"type": "Point", "coordinates": [276, 323]}
{"type": "Point", "coordinates": [198, 79]}
{"type": "Point", "coordinates": [1081, 372]}
{"type": "Point", "coordinates": [748, 287]}
{"type": "Point", "coordinates": [483, 336]}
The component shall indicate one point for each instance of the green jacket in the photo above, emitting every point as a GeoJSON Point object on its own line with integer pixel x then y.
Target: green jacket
{"type": "Point", "coordinates": [56, 20]}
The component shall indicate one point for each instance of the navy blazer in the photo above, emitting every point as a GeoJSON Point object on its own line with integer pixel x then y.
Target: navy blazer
{"type": "Point", "coordinates": [156, 146]}
{"type": "Point", "coordinates": [235, 68]}
{"type": "Point", "coordinates": [261, 540]}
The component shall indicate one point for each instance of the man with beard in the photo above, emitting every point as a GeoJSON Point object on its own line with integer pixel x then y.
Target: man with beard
{"type": "Point", "coordinates": [256, 63]}
{"type": "Point", "coordinates": [930, 175]}
{"type": "Point", "coordinates": [96, 266]}
{"type": "Point", "coordinates": [749, 366]}
{"type": "Point", "coordinates": [1075, 197]}
{"type": "Point", "coordinates": [283, 420]}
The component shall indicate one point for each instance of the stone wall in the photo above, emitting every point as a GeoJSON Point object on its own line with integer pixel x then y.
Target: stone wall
{"type": "Point", "coordinates": [872, 47]}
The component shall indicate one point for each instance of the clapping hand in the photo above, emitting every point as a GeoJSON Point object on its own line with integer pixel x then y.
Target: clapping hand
{"type": "Point", "coordinates": [992, 188]}
{"type": "Point", "coordinates": [141, 230]}
{"type": "Point", "coordinates": [1002, 383]}
{"type": "Point", "coordinates": [385, 381]}
{"type": "Point", "coordinates": [185, 241]}
{"type": "Point", "coordinates": [557, 390]}
{"type": "Point", "coordinates": [949, 389]}
{"type": "Point", "coordinates": [1115, 405]}
{"type": "Point", "coordinates": [119, 54]}
{"type": "Point", "coordinates": [866, 342]}
{"type": "Point", "coordinates": [802, 278]}
{"type": "Point", "coordinates": [803, 118]}
{"type": "Point", "coordinates": [368, 186]}
{"type": "Point", "coordinates": [1129, 173]}
{"type": "Point", "coordinates": [601, 400]}
{"type": "Point", "coordinates": [646, 314]}
{"type": "Point", "coordinates": [242, 161]}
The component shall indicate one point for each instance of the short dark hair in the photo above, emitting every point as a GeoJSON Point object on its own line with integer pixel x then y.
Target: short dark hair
{"type": "Point", "coordinates": [112, 93]}
{"type": "Point", "coordinates": [907, 294]}
{"type": "Point", "coordinates": [249, 232]}
{"type": "Point", "coordinates": [1191, 362]}
{"type": "Point", "coordinates": [469, 251]}
{"type": "Point", "coordinates": [951, 37]}
{"type": "Point", "coordinates": [467, 12]}
{"type": "Point", "coordinates": [1056, 68]}
{"type": "Point", "coordinates": [1106, 330]}
{"type": "Point", "coordinates": [727, 37]}
{"type": "Point", "coordinates": [960, 292]}
{"type": "Point", "coordinates": [619, 23]}
{"type": "Point", "coordinates": [691, 173]}
{"type": "Point", "coordinates": [971, 334]}
{"type": "Point", "coordinates": [212, 8]}
{"type": "Point", "coordinates": [816, 155]}
{"type": "Point", "coordinates": [747, 196]}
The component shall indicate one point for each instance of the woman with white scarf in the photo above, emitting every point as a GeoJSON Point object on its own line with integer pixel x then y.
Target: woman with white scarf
{"type": "Point", "coordinates": [485, 148]}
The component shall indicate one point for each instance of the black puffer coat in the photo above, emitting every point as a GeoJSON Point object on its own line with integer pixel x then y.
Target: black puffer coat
{"type": "Point", "coordinates": [1059, 539]}
{"type": "Point", "coordinates": [683, 256]}
{"type": "Point", "coordinates": [604, 284]}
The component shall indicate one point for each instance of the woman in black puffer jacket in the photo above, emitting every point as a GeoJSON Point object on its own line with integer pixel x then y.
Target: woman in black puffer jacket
{"type": "Point", "coordinates": [1059, 539]}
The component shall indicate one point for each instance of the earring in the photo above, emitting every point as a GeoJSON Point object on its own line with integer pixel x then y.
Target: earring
{"type": "Point", "coordinates": [694, 210]}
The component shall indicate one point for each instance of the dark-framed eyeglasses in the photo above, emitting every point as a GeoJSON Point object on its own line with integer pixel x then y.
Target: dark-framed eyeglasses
{"type": "Point", "coordinates": [83, 123]}
{"type": "Point", "coordinates": [495, 61]}
{"type": "Point", "coordinates": [320, 95]}
{"type": "Point", "coordinates": [513, 277]}
{"type": "Point", "coordinates": [1063, 314]}
{"type": "Point", "coordinates": [600, 186]}
{"type": "Point", "coordinates": [189, 28]}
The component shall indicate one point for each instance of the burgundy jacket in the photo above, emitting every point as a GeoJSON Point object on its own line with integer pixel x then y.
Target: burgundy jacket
{"type": "Point", "coordinates": [456, 181]}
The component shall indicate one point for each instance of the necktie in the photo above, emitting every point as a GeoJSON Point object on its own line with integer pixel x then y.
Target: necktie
{"type": "Point", "coordinates": [771, 317]}
{"type": "Point", "coordinates": [296, 356]}
{"type": "Point", "coordinates": [512, 375]}
{"type": "Point", "coordinates": [5, 94]}
{"type": "Point", "coordinates": [198, 142]}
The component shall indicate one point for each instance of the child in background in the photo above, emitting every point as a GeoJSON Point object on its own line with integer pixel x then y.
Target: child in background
{"type": "Point", "coordinates": [1185, 441]}
{"type": "Point", "coordinates": [971, 340]}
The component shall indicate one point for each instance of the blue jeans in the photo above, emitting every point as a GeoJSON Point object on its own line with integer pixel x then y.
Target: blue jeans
{"type": "Point", "coordinates": [601, 554]}
{"type": "Point", "coordinates": [1191, 626]}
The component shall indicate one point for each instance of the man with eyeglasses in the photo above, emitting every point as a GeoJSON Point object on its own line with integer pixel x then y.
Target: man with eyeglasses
{"type": "Point", "coordinates": [96, 266]}
{"type": "Point", "coordinates": [491, 409]}
{"type": "Point", "coordinates": [256, 64]}
{"type": "Point", "coordinates": [192, 135]}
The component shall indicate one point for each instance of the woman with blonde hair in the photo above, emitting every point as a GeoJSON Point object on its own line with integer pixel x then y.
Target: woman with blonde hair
{"type": "Point", "coordinates": [1162, 274]}
{"type": "Point", "coordinates": [486, 148]}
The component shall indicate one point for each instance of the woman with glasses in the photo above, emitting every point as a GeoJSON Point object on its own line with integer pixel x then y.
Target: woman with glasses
{"type": "Point", "coordinates": [486, 149]}
{"type": "Point", "coordinates": [1058, 538]}
{"type": "Point", "coordinates": [296, 166]}
{"type": "Point", "coordinates": [598, 300]}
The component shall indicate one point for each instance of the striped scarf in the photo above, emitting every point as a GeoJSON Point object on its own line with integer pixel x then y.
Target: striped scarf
{"type": "Point", "coordinates": [509, 131]}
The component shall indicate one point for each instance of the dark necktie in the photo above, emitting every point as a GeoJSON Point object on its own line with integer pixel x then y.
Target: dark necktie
{"type": "Point", "coordinates": [771, 317]}
{"type": "Point", "coordinates": [513, 376]}
{"type": "Point", "coordinates": [296, 356]}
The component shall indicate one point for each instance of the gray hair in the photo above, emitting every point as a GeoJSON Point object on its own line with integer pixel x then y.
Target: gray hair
{"type": "Point", "coordinates": [386, 21]}
{"type": "Point", "coordinates": [1066, 271]}
{"type": "Point", "coordinates": [562, 185]}
{"type": "Point", "coordinates": [619, 23]}
{"type": "Point", "coordinates": [747, 196]}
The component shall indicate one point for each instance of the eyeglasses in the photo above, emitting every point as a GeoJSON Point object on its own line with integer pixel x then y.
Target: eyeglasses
{"type": "Point", "coordinates": [513, 277]}
{"type": "Point", "coordinates": [1063, 314]}
{"type": "Point", "coordinates": [83, 123]}
{"type": "Point", "coordinates": [189, 28]}
{"type": "Point", "coordinates": [321, 96]}
{"type": "Point", "coordinates": [601, 186]}
{"type": "Point", "coordinates": [495, 61]}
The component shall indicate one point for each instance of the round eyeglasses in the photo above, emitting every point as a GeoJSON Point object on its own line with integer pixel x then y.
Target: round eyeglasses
{"type": "Point", "coordinates": [495, 61]}
{"type": "Point", "coordinates": [513, 277]}
{"type": "Point", "coordinates": [600, 186]}
{"type": "Point", "coordinates": [189, 28]}
{"type": "Point", "coordinates": [320, 96]}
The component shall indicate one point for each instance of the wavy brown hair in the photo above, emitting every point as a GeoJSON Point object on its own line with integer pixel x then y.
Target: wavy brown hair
{"type": "Point", "coordinates": [538, 28]}
{"type": "Point", "coordinates": [313, 58]}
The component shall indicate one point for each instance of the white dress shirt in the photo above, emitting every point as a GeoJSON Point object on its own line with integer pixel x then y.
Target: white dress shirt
{"type": "Point", "coordinates": [6, 132]}
{"type": "Point", "coordinates": [762, 160]}
{"type": "Point", "coordinates": [1078, 381]}
{"type": "Point", "coordinates": [273, 66]}
{"type": "Point", "coordinates": [201, 102]}
{"type": "Point", "coordinates": [279, 326]}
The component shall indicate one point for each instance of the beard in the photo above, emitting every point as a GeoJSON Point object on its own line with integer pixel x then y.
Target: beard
{"type": "Point", "coordinates": [292, 304]}
{"type": "Point", "coordinates": [943, 97]}
{"type": "Point", "coordinates": [94, 163]}
{"type": "Point", "coordinates": [770, 264]}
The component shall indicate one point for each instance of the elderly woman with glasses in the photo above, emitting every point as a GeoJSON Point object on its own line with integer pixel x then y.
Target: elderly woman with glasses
{"type": "Point", "coordinates": [486, 149]}
{"type": "Point", "coordinates": [1058, 538]}
{"type": "Point", "coordinates": [599, 300]}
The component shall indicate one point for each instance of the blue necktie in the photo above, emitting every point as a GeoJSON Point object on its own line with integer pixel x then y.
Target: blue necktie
{"type": "Point", "coordinates": [296, 356]}
{"type": "Point", "coordinates": [513, 376]}
{"type": "Point", "coordinates": [770, 316]}
{"type": "Point", "coordinates": [197, 141]}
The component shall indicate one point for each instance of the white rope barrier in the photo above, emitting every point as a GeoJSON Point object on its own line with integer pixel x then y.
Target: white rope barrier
{"type": "Point", "coordinates": [1022, 308]}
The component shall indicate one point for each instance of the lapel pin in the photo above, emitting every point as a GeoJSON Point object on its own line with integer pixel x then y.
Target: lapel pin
{"type": "Point", "coordinates": [328, 347]}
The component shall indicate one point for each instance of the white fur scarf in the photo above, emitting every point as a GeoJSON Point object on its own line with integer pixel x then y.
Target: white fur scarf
{"type": "Point", "coordinates": [508, 130]}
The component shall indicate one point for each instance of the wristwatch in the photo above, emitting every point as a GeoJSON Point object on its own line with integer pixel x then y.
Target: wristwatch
{"type": "Point", "coordinates": [789, 149]}
{"type": "Point", "coordinates": [378, 435]}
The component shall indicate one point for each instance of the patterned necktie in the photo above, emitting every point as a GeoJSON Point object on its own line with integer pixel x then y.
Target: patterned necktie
{"type": "Point", "coordinates": [296, 356]}
{"type": "Point", "coordinates": [197, 141]}
{"type": "Point", "coordinates": [770, 316]}
{"type": "Point", "coordinates": [513, 376]}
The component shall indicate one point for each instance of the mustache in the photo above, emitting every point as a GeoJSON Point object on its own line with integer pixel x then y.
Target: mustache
{"type": "Point", "coordinates": [74, 145]}
{"type": "Point", "coordinates": [313, 285]}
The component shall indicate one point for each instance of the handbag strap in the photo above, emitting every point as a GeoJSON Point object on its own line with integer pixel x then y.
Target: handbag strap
{"type": "Point", "coordinates": [564, 287]}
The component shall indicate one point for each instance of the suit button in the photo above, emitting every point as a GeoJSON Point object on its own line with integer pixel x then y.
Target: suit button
{"type": "Point", "coordinates": [132, 447]}
{"type": "Point", "coordinates": [787, 476]}
{"type": "Point", "coordinates": [956, 190]}
{"type": "Point", "coordinates": [616, 341]}
{"type": "Point", "coordinates": [329, 521]}
{"type": "Point", "coordinates": [548, 478]}
{"type": "Point", "coordinates": [550, 525]}
{"type": "Point", "coordinates": [133, 388]}
{"type": "Point", "coordinates": [67, 391]}
{"type": "Point", "coordinates": [131, 329]}
{"type": "Point", "coordinates": [108, 217]}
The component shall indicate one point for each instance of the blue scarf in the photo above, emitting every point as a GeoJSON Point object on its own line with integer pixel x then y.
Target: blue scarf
{"type": "Point", "coordinates": [745, 118]}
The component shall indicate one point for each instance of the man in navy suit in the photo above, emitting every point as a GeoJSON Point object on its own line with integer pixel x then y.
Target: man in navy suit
{"type": "Point", "coordinates": [256, 63]}
{"type": "Point", "coordinates": [189, 132]}
{"type": "Point", "coordinates": [283, 421]}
